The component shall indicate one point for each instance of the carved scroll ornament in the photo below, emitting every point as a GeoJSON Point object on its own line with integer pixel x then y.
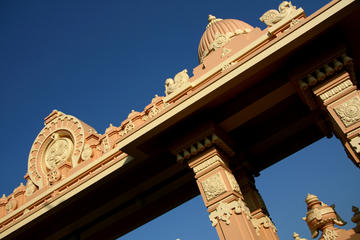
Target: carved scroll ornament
{"type": "Point", "coordinates": [273, 16]}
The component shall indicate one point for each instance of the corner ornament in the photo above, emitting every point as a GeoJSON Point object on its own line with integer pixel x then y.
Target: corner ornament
{"type": "Point", "coordinates": [273, 16]}
{"type": "Point", "coordinates": [180, 80]}
{"type": "Point", "coordinates": [224, 211]}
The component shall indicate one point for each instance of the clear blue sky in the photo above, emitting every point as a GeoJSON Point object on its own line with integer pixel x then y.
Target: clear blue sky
{"type": "Point", "coordinates": [98, 60]}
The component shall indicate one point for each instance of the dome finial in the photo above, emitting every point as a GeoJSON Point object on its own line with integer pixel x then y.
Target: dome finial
{"type": "Point", "coordinates": [212, 19]}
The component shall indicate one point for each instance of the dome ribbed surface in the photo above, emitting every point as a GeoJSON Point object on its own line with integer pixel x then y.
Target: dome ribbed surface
{"type": "Point", "coordinates": [222, 26]}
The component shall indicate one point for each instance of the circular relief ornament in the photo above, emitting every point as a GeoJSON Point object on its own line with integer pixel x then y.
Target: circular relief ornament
{"type": "Point", "coordinates": [219, 41]}
{"type": "Point", "coordinates": [61, 140]}
{"type": "Point", "coordinates": [349, 111]}
{"type": "Point", "coordinates": [58, 152]}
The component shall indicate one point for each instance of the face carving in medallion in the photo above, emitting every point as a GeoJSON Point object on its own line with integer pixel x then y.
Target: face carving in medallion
{"type": "Point", "coordinates": [58, 151]}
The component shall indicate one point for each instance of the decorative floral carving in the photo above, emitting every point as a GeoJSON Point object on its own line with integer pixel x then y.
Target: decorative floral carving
{"type": "Point", "coordinates": [330, 234]}
{"type": "Point", "coordinates": [220, 40]}
{"type": "Point", "coordinates": [180, 79]}
{"type": "Point", "coordinates": [273, 16]}
{"type": "Point", "coordinates": [11, 205]}
{"type": "Point", "coordinates": [213, 186]}
{"type": "Point", "coordinates": [349, 111]}
{"type": "Point", "coordinates": [58, 152]}
{"type": "Point", "coordinates": [265, 221]}
{"type": "Point", "coordinates": [128, 127]}
{"type": "Point", "coordinates": [53, 176]}
{"type": "Point", "coordinates": [87, 152]}
{"type": "Point", "coordinates": [233, 183]}
{"type": "Point", "coordinates": [106, 143]}
{"type": "Point", "coordinates": [240, 207]}
{"type": "Point", "coordinates": [224, 211]}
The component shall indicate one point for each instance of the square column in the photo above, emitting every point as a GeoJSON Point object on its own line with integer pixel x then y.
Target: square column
{"type": "Point", "coordinates": [222, 196]}
{"type": "Point", "coordinates": [332, 87]}
{"type": "Point", "coordinates": [341, 100]}
{"type": "Point", "coordinates": [261, 220]}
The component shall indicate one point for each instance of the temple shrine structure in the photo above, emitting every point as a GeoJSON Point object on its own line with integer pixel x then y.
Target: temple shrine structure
{"type": "Point", "coordinates": [299, 73]}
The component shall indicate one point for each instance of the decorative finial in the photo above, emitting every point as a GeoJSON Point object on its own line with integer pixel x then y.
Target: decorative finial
{"type": "Point", "coordinates": [212, 19]}
{"type": "Point", "coordinates": [3, 196]}
{"type": "Point", "coordinates": [321, 217]}
{"type": "Point", "coordinates": [311, 199]}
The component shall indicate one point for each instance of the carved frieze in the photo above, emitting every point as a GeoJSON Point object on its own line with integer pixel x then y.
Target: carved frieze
{"type": "Point", "coordinates": [349, 111]}
{"type": "Point", "coordinates": [213, 186]}
{"type": "Point", "coordinates": [336, 90]}
{"type": "Point", "coordinates": [207, 163]}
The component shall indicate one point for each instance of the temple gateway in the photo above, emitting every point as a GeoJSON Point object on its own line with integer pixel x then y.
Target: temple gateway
{"type": "Point", "coordinates": [246, 77]}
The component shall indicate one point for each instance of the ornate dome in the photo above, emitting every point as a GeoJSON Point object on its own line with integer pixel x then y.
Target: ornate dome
{"type": "Point", "coordinates": [218, 32]}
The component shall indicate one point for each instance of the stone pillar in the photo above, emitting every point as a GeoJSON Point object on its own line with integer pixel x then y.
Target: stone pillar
{"type": "Point", "coordinates": [335, 90]}
{"type": "Point", "coordinates": [260, 216]}
{"type": "Point", "coordinates": [222, 196]}
{"type": "Point", "coordinates": [341, 99]}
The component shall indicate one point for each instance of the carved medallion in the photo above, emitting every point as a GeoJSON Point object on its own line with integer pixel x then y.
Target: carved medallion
{"type": "Point", "coordinates": [219, 41]}
{"type": "Point", "coordinates": [61, 140]}
{"type": "Point", "coordinates": [349, 111]}
{"type": "Point", "coordinates": [213, 186]}
{"type": "Point", "coordinates": [58, 152]}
